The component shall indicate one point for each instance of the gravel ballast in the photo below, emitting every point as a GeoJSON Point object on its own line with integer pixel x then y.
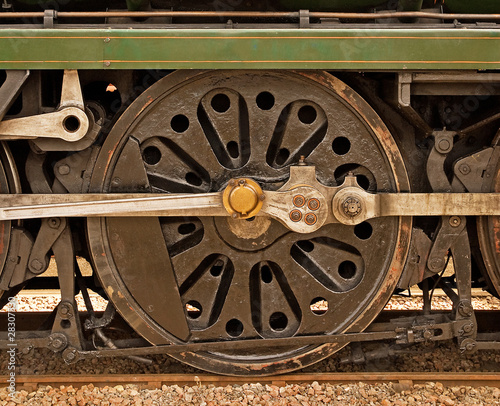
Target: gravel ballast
{"type": "Point", "coordinates": [443, 357]}
{"type": "Point", "coordinates": [431, 394]}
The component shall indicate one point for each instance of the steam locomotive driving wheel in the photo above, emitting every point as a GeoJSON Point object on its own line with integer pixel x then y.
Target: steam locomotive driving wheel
{"type": "Point", "coordinates": [202, 279]}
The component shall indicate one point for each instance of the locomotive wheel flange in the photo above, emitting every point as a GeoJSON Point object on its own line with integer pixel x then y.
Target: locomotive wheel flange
{"type": "Point", "coordinates": [188, 279]}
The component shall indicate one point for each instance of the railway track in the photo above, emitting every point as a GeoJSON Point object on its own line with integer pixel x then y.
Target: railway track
{"type": "Point", "coordinates": [401, 381]}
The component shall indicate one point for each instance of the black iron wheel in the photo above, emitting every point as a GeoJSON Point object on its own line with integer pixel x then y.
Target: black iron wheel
{"type": "Point", "coordinates": [488, 227]}
{"type": "Point", "coordinates": [202, 279]}
{"type": "Point", "coordinates": [9, 183]}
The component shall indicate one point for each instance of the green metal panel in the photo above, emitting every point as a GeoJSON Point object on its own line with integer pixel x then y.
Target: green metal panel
{"type": "Point", "coordinates": [368, 49]}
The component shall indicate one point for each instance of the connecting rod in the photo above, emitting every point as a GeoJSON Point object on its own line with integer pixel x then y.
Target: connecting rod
{"type": "Point", "coordinates": [302, 204]}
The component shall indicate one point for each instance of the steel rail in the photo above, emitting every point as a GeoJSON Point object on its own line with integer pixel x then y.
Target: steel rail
{"type": "Point", "coordinates": [252, 14]}
{"type": "Point", "coordinates": [405, 380]}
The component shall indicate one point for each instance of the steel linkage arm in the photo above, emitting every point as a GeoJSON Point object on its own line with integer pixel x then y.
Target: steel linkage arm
{"type": "Point", "coordinates": [303, 204]}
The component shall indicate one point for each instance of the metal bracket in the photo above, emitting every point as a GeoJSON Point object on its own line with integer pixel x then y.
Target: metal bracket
{"type": "Point", "coordinates": [471, 169]}
{"type": "Point", "coordinates": [69, 123]}
{"type": "Point", "coordinates": [93, 322]}
{"type": "Point", "coordinates": [404, 84]}
{"type": "Point", "coordinates": [11, 89]}
{"type": "Point", "coordinates": [48, 18]}
{"type": "Point", "coordinates": [304, 19]}
{"type": "Point", "coordinates": [15, 271]}
{"type": "Point", "coordinates": [50, 231]}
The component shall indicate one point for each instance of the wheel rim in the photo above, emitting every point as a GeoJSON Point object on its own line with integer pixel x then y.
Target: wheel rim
{"type": "Point", "coordinates": [488, 227]}
{"type": "Point", "coordinates": [9, 183]}
{"type": "Point", "coordinates": [192, 132]}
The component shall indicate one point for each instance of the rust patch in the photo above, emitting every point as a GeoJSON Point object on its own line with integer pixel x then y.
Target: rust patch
{"type": "Point", "coordinates": [2, 229]}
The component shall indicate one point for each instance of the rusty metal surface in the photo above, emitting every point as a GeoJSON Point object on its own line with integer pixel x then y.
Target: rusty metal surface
{"type": "Point", "coordinates": [69, 122]}
{"type": "Point", "coordinates": [264, 286]}
{"type": "Point", "coordinates": [489, 227]}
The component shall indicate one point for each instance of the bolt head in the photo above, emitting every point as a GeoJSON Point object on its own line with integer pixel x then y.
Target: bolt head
{"type": "Point", "coordinates": [295, 215]}
{"type": "Point", "coordinates": [352, 206]}
{"type": "Point", "coordinates": [464, 169]}
{"type": "Point", "coordinates": [444, 145]}
{"type": "Point", "coordinates": [467, 328]}
{"type": "Point", "coordinates": [310, 219]}
{"type": "Point", "coordinates": [465, 309]}
{"type": "Point", "coordinates": [70, 356]}
{"type": "Point", "coordinates": [299, 201]}
{"type": "Point", "coordinates": [36, 265]}
{"type": "Point", "coordinates": [54, 222]}
{"type": "Point", "coordinates": [455, 221]}
{"type": "Point", "coordinates": [437, 263]}
{"type": "Point", "coordinates": [313, 204]}
{"type": "Point", "coordinates": [57, 343]}
{"type": "Point", "coordinates": [64, 169]}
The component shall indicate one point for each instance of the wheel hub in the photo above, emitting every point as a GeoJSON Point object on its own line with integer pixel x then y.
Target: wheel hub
{"type": "Point", "coordinates": [243, 198]}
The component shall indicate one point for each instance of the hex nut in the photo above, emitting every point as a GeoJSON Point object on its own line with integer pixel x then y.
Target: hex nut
{"type": "Point", "coordinates": [36, 265]}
